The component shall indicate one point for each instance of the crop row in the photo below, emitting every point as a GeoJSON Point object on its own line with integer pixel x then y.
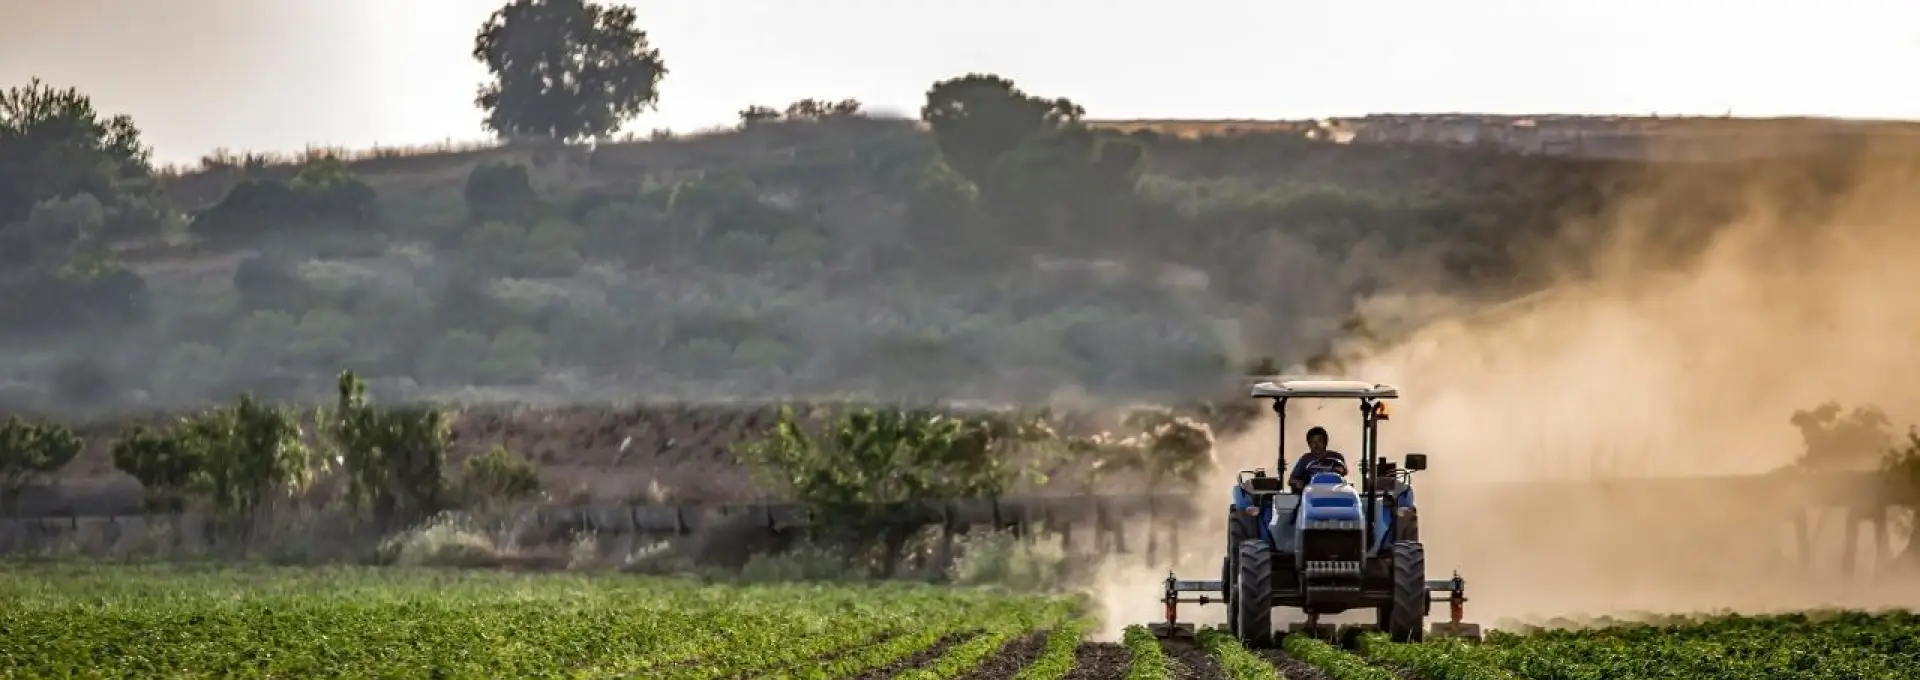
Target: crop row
{"type": "Point", "coordinates": [71, 621]}
{"type": "Point", "coordinates": [1791, 647]}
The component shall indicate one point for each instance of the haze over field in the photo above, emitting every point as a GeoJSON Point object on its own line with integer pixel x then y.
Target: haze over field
{"type": "Point", "coordinates": [1642, 371]}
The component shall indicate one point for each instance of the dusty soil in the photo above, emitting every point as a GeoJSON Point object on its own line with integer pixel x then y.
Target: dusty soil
{"type": "Point", "coordinates": [1099, 661]}
{"type": "Point", "coordinates": [919, 658]}
{"type": "Point", "coordinates": [1013, 656]}
{"type": "Point", "coordinates": [1194, 662]}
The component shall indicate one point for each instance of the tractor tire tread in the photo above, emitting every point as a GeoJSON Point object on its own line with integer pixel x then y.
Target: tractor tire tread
{"type": "Point", "coordinates": [1252, 607]}
{"type": "Point", "coordinates": [1239, 528]}
{"type": "Point", "coordinates": [1406, 616]}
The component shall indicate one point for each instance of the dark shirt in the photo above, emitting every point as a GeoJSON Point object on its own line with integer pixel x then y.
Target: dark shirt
{"type": "Point", "coordinates": [1309, 464]}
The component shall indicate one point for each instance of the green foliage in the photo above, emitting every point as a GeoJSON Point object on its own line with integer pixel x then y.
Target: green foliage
{"type": "Point", "coordinates": [251, 453]}
{"type": "Point", "coordinates": [324, 194]}
{"type": "Point", "coordinates": [239, 458]}
{"type": "Point", "coordinates": [821, 109]}
{"type": "Point", "coordinates": [56, 231]}
{"type": "Point", "coordinates": [1145, 659]}
{"type": "Point", "coordinates": [942, 212]}
{"type": "Point", "coordinates": [1169, 449]}
{"type": "Point", "coordinates": [565, 69]}
{"type": "Point", "coordinates": [56, 275]}
{"type": "Point", "coordinates": [1902, 465]}
{"type": "Point", "coordinates": [1238, 663]}
{"type": "Point", "coordinates": [29, 449]}
{"type": "Point", "coordinates": [868, 255]}
{"type": "Point", "coordinates": [1056, 659]}
{"type": "Point", "coordinates": [332, 193]}
{"type": "Point", "coordinates": [250, 207]}
{"type": "Point", "coordinates": [393, 457]}
{"type": "Point", "coordinates": [1783, 647]}
{"type": "Point", "coordinates": [801, 111]}
{"type": "Point", "coordinates": [1064, 185]}
{"type": "Point", "coordinates": [879, 456]}
{"type": "Point", "coordinates": [273, 622]}
{"type": "Point", "coordinates": [1337, 664]}
{"type": "Point", "coordinates": [1834, 439]}
{"type": "Point", "coordinates": [501, 192]}
{"type": "Point", "coordinates": [266, 282]}
{"type": "Point", "coordinates": [54, 144]}
{"type": "Point", "coordinates": [868, 475]}
{"type": "Point", "coordinates": [500, 475]}
{"type": "Point", "coordinates": [1013, 562]}
{"type": "Point", "coordinates": [978, 117]}
{"type": "Point", "coordinates": [758, 114]}
{"type": "Point", "coordinates": [964, 660]}
{"type": "Point", "coordinates": [549, 249]}
{"type": "Point", "coordinates": [160, 459]}
{"type": "Point", "coordinates": [1437, 660]}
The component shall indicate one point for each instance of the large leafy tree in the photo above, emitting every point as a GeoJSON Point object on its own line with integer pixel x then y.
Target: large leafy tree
{"type": "Point", "coordinates": [54, 144]}
{"type": "Point", "coordinates": [565, 69]}
{"type": "Point", "coordinates": [71, 179]}
{"type": "Point", "coordinates": [864, 472]}
{"type": "Point", "coordinates": [977, 117]}
{"type": "Point", "coordinates": [29, 449]}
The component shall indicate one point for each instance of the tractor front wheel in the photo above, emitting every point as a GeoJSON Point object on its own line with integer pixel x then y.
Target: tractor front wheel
{"type": "Point", "coordinates": [1252, 608]}
{"type": "Point", "coordinates": [1405, 619]}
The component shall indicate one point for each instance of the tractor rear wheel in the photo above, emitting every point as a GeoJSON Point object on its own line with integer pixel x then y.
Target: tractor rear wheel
{"type": "Point", "coordinates": [1405, 619]}
{"type": "Point", "coordinates": [1252, 608]}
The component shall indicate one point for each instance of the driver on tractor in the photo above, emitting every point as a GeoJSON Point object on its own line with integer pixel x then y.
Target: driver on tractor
{"type": "Point", "coordinates": [1317, 459]}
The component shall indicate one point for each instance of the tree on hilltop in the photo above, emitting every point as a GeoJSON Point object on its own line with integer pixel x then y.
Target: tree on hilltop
{"type": "Point", "coordinates": [565, 69]}
{"type": "Point", "coordinates": [978, 117]}
{"type": "Point", "coordinates": [1043, 177]}
{"type": "Point", "coordinates": [71, 181]}
{"type": "Point", "coordinates": [54, 144]}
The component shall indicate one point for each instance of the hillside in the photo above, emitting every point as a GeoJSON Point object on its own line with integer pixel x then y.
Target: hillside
{"type": "Point", "coordinates": [830, 257]}
{"type": "Point", "coordinates": [807, 257]}
{"type": "Point", "coordinates": [816, 260]}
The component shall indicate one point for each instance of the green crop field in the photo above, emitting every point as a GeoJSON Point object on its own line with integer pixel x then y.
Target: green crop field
{"type": "Point", "coordinates": [94, 621]}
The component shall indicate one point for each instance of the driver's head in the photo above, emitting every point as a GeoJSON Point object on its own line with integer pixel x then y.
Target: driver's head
{"type": "Point", "coordinates": [1317, 439]}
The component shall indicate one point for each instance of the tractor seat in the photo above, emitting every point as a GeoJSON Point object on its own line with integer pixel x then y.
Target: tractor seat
{"type": "Point", "coordinates": [1262, 485]}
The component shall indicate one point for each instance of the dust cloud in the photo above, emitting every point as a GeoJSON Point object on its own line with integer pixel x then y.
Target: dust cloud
{"type": "Point", "coordinates": [1641, 364]}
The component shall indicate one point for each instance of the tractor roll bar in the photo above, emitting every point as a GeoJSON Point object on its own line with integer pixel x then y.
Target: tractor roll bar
{"type": "Point", "coordinates": [1369, 456]}
{"type": "Point", "coordinates": [1280, 462]}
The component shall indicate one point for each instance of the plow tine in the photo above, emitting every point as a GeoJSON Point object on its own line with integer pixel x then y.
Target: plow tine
{"type": "Point", "coordinates": [1172, 626]}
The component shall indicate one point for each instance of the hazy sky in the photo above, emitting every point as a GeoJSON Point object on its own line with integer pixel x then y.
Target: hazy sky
{"type": "Point", "coordinates": [280, 74]}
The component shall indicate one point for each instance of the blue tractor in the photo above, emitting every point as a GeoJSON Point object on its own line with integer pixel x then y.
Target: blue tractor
{"type": "Point", "coordinates": [1328, 547]}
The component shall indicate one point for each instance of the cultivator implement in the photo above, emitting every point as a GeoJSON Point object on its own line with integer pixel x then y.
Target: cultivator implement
{"type": "Point", "coordinates": [1172, 627]}
{"type": "Point", "coordinates": [1180, 592]}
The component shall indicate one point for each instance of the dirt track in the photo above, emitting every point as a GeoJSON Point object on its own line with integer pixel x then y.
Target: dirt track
{"type": "Point", "coordinates": [1012, 657]}
{"type": "Point", "coordinates": [1194, 662]}
{"type": "Point", "coordinates": [1099, 661]}
{"type": "Point", "coordinates": [920, 658]}
{"type": "Point", "coordinates": [1291, 668]}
